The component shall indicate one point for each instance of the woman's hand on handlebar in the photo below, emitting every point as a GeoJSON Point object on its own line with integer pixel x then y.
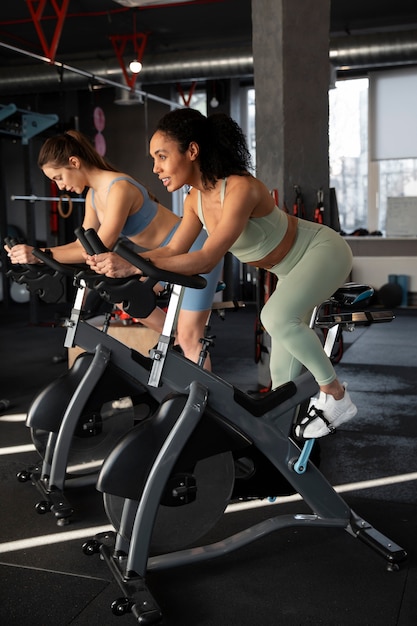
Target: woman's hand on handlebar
{"type": "Point", "coordinates": [112, 265]}
{"type": "Point", "coordinates": [21, 254]}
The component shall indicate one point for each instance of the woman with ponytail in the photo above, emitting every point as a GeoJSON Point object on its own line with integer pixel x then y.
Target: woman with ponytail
{"type": "Point", "coordinates": [116, 205]}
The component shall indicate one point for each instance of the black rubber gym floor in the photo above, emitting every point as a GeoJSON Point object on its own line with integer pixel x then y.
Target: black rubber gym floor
{"type": "Point", "coordinates": [303, 576]}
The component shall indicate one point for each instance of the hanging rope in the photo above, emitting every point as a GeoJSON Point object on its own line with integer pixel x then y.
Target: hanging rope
{"type": "Point", "coordinates": [65, 214]}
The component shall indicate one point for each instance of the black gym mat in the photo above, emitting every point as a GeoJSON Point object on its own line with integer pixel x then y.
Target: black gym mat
{"type": "Point", "coordinates": [297, 576]}
{"type": "Point", "coordinates": [293, 577]}
{"type": "Point", "coordinates": [40, 598]}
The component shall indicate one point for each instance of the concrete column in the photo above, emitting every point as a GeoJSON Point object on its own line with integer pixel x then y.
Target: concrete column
{"type": "Point", "coordinates": [291, 74]}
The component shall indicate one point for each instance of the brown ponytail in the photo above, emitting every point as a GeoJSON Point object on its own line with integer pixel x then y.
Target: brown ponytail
{"type": "Point", "coordinates": [57, 150]}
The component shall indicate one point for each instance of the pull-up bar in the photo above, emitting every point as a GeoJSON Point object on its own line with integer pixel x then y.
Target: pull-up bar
{"type": "Point", "coordinates": [34, 198]}
{"type": "Point", "coordinates": [60, 199]}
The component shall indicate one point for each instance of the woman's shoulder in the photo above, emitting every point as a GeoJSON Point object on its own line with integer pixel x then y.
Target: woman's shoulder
{"type": "Point", "coordinates": [118, 180]}
{"type": "Point", "coordinates": [241, 180]}
{"type": "Point", "coordinates": [250, 192]}
{"type": "Point", "coordinates": [120, 177]}
{"type": "Point", "coordinates": [247, 184]}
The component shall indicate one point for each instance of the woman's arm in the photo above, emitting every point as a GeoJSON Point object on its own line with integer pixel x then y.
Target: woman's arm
{"type": "Point", "coordinates": [183, 238]}
{"type": "Point", "coordinates": [225, 225]}
{"type": "Point", "coordinates": [241, 199]}
{"type": "Point", "coordinates": [71, 252]}
{"type": "Point", "coordinates": [114, 266]}
{"type": "Point", "coordinates": [122, 199]}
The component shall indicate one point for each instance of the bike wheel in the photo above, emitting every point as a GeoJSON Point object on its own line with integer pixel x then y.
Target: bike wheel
{"type": "Point", "coordinates": [177, 527]}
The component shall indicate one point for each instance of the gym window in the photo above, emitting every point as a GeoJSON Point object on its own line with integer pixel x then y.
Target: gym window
{"type": "Point", "coordinates": [362, 171]}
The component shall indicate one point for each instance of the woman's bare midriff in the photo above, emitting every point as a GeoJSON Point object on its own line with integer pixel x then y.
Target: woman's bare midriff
{"type": "Point", "coordinates": [158, 230]}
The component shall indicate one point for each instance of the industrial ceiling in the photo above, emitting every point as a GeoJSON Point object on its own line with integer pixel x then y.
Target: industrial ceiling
{"type": "Point", "coordinates": [187, 40]}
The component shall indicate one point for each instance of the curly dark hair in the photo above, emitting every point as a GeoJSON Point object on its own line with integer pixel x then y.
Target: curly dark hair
{"type": "Point", "coordinates": [223, 148]}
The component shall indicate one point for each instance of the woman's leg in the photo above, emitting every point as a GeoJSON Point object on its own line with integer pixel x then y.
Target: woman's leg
{"type": "Point", "coordinates": [195, 310]}
{"type": "Point", "coordinates": [155, 320]}
{"type": "Point", "coordinates": [190, 329]}
{"type": "Point", "coordinates": [322, 269]}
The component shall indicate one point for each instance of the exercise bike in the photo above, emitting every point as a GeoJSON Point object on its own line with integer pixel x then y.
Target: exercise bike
{"type": "Point", "coordinates": [168, 481]}
{"type": "Point", "coordinates": [76, 419]}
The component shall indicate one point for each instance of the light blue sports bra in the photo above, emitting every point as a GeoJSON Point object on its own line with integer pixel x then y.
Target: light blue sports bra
{"type": "Point", "coordinates": [260, 236]}
{"type": "Point", "coordinates": [137, 222]}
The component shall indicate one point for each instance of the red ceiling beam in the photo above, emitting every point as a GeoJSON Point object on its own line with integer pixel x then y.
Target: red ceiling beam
{"type": "Point", "coordinates": [186, 99]}
{"type": "Point", "coordinates": [119, 44]}
{"type": "Point", "coordinates": [37, 8]}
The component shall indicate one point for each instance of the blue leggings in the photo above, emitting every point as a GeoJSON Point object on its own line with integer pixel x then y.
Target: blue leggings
{"type": "Point", "coordinates": [318, 263]}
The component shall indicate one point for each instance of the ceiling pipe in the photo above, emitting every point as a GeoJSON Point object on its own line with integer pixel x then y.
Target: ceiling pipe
{"type": "Point", "coordinates": [156, 70]}
{"type": "Point", "coordinates": [374, 50]}
{"type": "Point", "coordinates": [91, 80]}
{"type": "Point", "coordinates": [347, 52]}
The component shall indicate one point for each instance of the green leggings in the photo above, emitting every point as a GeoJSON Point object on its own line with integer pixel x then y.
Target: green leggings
{"type": "Point", "coordinates": [318, 263]}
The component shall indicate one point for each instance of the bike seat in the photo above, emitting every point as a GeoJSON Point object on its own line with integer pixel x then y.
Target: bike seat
{"type": "Point", "coordinates": [351, 293]}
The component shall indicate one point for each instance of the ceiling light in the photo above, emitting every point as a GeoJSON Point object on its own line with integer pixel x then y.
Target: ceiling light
{"type": "Point", "coordinates": [135, 66]}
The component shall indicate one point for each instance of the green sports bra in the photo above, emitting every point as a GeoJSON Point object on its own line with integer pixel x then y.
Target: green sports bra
{"type": "Point", "coordinates": [260, 236]}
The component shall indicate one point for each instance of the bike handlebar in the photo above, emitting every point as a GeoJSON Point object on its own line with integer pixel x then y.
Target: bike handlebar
{"type": "Point", "coordinates": [94, 241]}
{"type": "Point", "coordinates": [93, 245]}
{"type": "Point", "coordinates": [149, 269]}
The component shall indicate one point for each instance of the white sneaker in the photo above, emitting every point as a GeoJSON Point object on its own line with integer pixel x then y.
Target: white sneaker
{"type": "Point", "coordinates": [324, 415]}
